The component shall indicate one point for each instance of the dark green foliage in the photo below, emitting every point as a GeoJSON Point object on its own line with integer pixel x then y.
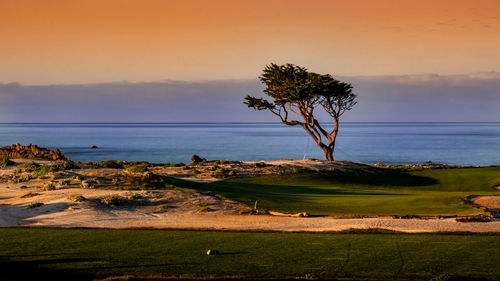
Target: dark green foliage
{"type": "Point", "coordinates": [259, 164]}
{"type": "Point", "coordinates": [36, 169]}
{"type": "Point", "coordinates": [296, 93]}
{"type": "Point", "coordinates": [4, 162]}
{"type": "Point", "coordinates": [137, 167]}
{"type": "Point", "coordinates": [134, 196]}
{"type": "Point", "coordinates": [27, 167]}
{"type": "Point", "coordinates": [44, 170]}
{"type": "Point", "coordinates": [110, 164]}
{"type": "Point", "coordinates": [220, 173]}
{"type": "Point", "coordinates": [174, 164]}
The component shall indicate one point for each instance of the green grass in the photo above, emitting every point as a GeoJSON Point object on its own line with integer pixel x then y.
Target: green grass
{"type": "Point", "coordinates": [375, 191]}
{"type": "Point", "coordinates": [4, 162]}
{"type": "Point", "coordinates": [96, 253]}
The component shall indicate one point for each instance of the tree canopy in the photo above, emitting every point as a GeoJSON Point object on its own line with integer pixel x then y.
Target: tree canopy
{"type": "Point", "coordinates": [295, 94]}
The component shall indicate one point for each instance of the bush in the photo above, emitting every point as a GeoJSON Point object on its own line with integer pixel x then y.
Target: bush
{"type": "Point", "coordinates": [44, 170]}
{"type": "Point", "coordinates": [87, 184]}
{"type": "Point", "coordinates": [35, 205]}
{"type": "Point", "coordinates": [77, 198]}
{"type": "Point", "coordinates": [174, 164]}
{"type": "Point", "coordinates": [64, 182]}
{"type": "Point", "coordinates": [220, 173]}
{"type": "Point", "coordinates": [27, 167]}
{"type": "Point", "coordinates": [110, 164]}
{"type": "Point", "coordinates": [4, 162]}
{"type": "Point", "coordinates": [137, 168]}
{"type": "Point", "coordinates": [112, 201]}
{"type": "Point", "coordinates": [49, 186]}
{"type": "Point", "coordinates": [258, 164]}
{"type": "Point", "coordinates": [134, 196]}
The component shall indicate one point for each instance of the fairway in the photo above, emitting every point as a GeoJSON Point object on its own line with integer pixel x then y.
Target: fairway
{"type": "Point", "coordinates": [376, 191]}
{"type": "Point", "coordinates": [91, 253]}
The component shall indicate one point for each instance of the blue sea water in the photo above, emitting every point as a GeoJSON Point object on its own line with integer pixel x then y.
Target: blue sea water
{"type": "Point", "coordinates": [392, 143]}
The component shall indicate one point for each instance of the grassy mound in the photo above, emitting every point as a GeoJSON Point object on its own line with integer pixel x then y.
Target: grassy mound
{"type": "Point", "coordinates": [373, 191]}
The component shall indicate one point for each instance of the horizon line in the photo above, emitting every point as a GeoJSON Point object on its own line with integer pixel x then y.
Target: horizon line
{"type": "Point", "coordinates": [229, 122]}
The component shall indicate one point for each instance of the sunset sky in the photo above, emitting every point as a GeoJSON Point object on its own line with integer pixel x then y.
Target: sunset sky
{"type": "Point", "coordinates": [89, 41]}
{"type": "Point", "coordinates": [189, 60]}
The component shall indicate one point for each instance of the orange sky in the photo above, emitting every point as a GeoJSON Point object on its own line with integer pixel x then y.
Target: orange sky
{"type": "Point", "coordinates": [65, 41]}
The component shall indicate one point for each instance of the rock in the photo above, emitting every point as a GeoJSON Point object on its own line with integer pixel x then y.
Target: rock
{"type": "Point", "coordinates": [30, 152]}
{"type": "Point", "coordinates": [197, 159]}
{"type": "Point", "coordinates": [212, 252]}
{"type": "Point", "coordinates": [94, 147]}
{"type": "Point", "coordinates": [379, 164]}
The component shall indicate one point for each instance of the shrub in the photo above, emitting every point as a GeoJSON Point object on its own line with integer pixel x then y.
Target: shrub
{"type": "Point", "coordinates": [134, 196]}
{"type": "Point", "coordinates": [220, 173]}
{"type": "Point", "coordinates": [137, 168]}
{"type": "Point", "coordinates": [299, 170]}
{"type": "Point", "coordinates": [258, 164]}
{"type": "Point", "coordinates": [66, 165]}
{"type": "Point", "coordinates": [77, 198]}
{"type": "Point", "coordinates": [110, 164]}
{"type": "Point", "coordinates": [112, 201]}
{"type": "Point", "coordinates": [44, 170]}
{"type": "Point", "coordinates": [35, 205]}
{"type": "Point", "coordinates": [174, 164]}
{"type": "Point", "coordinates": [49, 186]}
{"type": "Point", "coordinates": [4, 162]}
{"type": "Point", "coordinates": [87, 184]}
{"type": "Point", "coordinates": [27, 167]}
{"type": "Point", "coordinates": [64, 182]}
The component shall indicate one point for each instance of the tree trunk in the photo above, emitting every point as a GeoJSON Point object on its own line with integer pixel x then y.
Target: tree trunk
{"type": "Point", "coordinates": [328, 154]}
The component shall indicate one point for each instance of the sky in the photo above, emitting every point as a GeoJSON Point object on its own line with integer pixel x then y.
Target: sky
{"type": "Point", "coordinates": [104, 60]}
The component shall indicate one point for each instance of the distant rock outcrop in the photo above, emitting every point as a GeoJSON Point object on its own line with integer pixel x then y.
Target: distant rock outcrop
{"type": "Point", "coordinates": [30, 152]}
{"type": "Point", "coordinates": [197, 159]}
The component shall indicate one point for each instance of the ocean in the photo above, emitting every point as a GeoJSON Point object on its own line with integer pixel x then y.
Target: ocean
{"type": "Point", "coordinates": [390, 143]}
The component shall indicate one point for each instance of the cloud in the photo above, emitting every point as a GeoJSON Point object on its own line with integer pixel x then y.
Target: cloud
{"type": "Point", "coordinates": [408, 98]}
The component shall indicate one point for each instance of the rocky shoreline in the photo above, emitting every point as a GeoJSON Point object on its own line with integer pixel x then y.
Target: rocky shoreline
{"type": "Point", "coordinates": [31, 151]}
